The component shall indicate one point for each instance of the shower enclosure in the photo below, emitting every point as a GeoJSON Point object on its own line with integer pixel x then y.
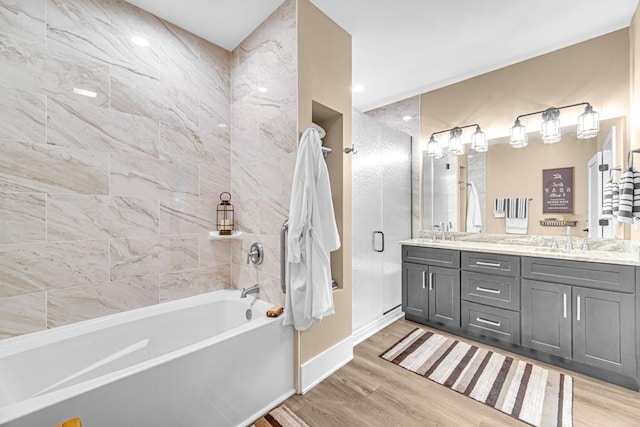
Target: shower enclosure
{"type": "Point", "coordinates": [381, 188]}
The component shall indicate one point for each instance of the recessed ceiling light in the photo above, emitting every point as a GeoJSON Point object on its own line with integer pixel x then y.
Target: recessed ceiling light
{"type": "Point", "coordinates": [263, 89]}
{"type": "Point", "coordinates": [140, 41]}
{"type": "Point", "coordinates": [407, 118]}
{"type": "Point", "coordinates": [84, 92]}
{"type": "Point", "coordinates": [222, 125]}
{"type": "Point", "coordinates": [357, 88]}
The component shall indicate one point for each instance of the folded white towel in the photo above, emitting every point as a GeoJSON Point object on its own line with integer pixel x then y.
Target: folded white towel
{"type": "Point", "coordinates": [499, 208]}
{"type": "Point", "coordinates": [517, 225]}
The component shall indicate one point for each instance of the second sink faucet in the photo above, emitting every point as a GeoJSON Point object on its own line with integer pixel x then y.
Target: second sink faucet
{"type": "Point", "coordinates": [569, 242]}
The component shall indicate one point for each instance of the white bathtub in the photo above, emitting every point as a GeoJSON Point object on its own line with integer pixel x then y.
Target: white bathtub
{"type": "Point", "coordinates": [192, 362]}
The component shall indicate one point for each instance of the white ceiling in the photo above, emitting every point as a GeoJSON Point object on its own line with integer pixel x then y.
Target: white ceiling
{"type": "Point", "coordinates": [403, 48]}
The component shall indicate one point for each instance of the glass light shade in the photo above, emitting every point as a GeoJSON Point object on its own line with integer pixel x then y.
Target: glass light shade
{"type": "Point", "coordinates": [479, 141]}
{"type": "Point", "coordinates": [455, 143]}
{"type": "Point", "coordinates": [439, 153]}
{"type": "Point", "coordinates": [550, 129]}
{"type": "Point", "coordinates": [588, 123]}
{"type": "Point", "coordinates": [518, 138]}
{"type": "Point", "coordinates": [433, 147]}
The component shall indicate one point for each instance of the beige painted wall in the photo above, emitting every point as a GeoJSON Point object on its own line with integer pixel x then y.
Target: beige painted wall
{"type": "Point", "coordinates": [324, 76]}
{"type": "Point", "coordinates": [596, 71]}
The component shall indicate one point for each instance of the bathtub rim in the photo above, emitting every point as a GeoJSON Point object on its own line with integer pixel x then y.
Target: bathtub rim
{"type": "Point", "coordinates": [22, 408]}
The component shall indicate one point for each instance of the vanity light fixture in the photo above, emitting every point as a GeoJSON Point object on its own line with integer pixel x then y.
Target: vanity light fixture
{"type": "Point", "coordinates": [479, 141]}
{"type": "Point", "coordinates": [588, 125]}
{"type": "Point", "coordinates": [455, 144]}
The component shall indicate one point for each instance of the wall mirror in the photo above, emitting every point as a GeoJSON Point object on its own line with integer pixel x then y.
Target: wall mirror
{"type": "Point", "coordinates": [506, 172]}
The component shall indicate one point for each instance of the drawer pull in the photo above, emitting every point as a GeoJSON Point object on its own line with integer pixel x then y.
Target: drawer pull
{"type": "Point", "coordinates": [488, 264]}
{"type": "Point", "coordinates": [488, 322]}
{"type": "Point", "coordinates": [491, 291]}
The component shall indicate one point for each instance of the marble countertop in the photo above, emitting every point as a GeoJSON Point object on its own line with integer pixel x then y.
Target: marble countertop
{"type": "Point", "coordinates": [623, 253]}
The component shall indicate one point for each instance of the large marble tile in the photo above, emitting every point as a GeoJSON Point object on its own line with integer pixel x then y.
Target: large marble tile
{"type": "Point", "coordinates": [73, 217]}
{"type": "Point", "coordinates": [144, 177]}
{"type": "Point", "coordinates": [26, 269]}
{"type": "Point", "coordinates": [215, 180]}
{"type": "Point", "coordinates": [70, 124]}
{"type": "Point", "coordinates": [147, 96]}
{"type": "Point", "coordinates": [73, 305]}
{"type": "Point", "coordinates": [392, 115]}
{"type": "Point", "coordinates": [150, 255]}
{"type": "Point", "coordinates": [258, 180]}
{"type": "Point", "coordinates": [96, 29]}
{"type": "Point", "coordinates": [23, 18]}
{"type": "Point", "coordinates": [31, 67]}
{"type": "Point", "coordinates": [22, 314]}
{"type": "Point", "coordinates": [214, 253]}
{"type": "Point", "coordinates": [22, 116]}
{"type": "Point", "coordinates": [193, 282]}
{"type": "Point", "coordinates": [183, 144]}
{"type": "Point", "coordinates": [41, 168]}
{"type": "Point", "coordinates": [22, 218]}
{"type": "Point", "coordinates": [187, 215]}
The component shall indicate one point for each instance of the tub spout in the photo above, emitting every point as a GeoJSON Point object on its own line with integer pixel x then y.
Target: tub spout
{"type": "Point", "coordinates": [250, 290]}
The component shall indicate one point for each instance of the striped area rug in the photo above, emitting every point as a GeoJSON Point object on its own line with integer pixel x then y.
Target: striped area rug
{"type": "Point", "coordinates": [527, 392]}
{"type": "Point", "coordinates": [280, 417]}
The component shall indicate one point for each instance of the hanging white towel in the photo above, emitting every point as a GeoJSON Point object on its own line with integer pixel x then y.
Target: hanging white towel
{"type": "Point", "coordinates": [313, 234]}
{"type": "Point", "coordinates": [321, 132]}
{"type": "Point", "coordinates": [517, 221]}
{"type": "Point", "coordinates": [474, 215]}
{"type": "Point", "coordinates": [499, 208]}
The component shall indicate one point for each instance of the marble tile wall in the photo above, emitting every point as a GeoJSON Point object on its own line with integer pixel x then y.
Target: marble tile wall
{"type": "Point", "coordinates": [105, 201]}
{"type": "Point", "coordinates": [264, 139]}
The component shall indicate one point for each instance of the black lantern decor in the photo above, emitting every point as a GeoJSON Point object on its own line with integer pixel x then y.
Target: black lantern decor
{"type": "Point", "coordinates": [224, 219]}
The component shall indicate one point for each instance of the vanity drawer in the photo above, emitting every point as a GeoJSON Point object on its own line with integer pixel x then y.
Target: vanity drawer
{"type": "Point", "coordinates": [506, 265]}
{"type": "Point", "coordinates": [611, 277]}
{"type": "Point", "coordinates": [498, 323]}
{"type": "Point", "coordinates": [432, 256]}
{"type": "Point", "coordinates": [491, 289]}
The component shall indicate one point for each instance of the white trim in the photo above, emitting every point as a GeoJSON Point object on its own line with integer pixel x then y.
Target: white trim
{"type": "Point", "coordinates": [326, 363]}
{"type": "Point", "coordinates": [269, 406]}
{"type": "Point", "coordinates": [377, 325]}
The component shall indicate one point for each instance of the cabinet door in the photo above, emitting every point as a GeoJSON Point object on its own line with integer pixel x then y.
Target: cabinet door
{"type": "Point", "coordinates": [604, 330]}
{"type": "Point", "coordinates": [546, 317]}
{"type": "Point", "coordinates": [444, 296]}
{"type": "Point", "coordinates": [414, 290]}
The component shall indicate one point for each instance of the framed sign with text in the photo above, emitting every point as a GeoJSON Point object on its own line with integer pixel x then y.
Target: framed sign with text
{"type": "Point", "coordinates": [557, 190]}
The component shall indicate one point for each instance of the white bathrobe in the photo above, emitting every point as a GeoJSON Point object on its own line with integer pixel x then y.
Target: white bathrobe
{"type": "Point", "coordinates": [313, 234]}
{"type": "Point", "coordinates": [474, 215]}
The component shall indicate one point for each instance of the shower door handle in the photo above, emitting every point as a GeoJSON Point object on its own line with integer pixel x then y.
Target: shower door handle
{"type": "Point", "coordinates": [374, 241]}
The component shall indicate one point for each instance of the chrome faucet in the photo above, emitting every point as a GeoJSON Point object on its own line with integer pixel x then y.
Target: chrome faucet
{"type": "Point", "coordinates": [250, 290]}
{"type": "Point", "coordinates": [443, 233]}
{"type": "Point", "coordinates": [569, 246]}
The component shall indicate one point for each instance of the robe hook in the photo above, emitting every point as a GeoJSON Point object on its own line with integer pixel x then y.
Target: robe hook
{"type": "Point", "coordinates": [351, 149]}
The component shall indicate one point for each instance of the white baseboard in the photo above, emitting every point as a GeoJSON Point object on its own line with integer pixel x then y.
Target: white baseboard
{"type": "Point", "coordinates": [377, 325]}
{"type": "Point", "coordinates": [275, 402]}
{"type": "Point", "coordinates": [325, 364]}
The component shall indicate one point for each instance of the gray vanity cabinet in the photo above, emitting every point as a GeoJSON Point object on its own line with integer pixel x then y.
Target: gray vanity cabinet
{"type": "Point", "coordinates": [603, 332]}
{"type": "Point", "coordinates": [431, 285]}
{"type": "Point", "coordinates": [581, 311]}
{"type": "Point", "coordinates": [546, 317]}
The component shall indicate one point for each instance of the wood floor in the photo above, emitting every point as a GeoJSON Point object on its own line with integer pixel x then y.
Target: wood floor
{"type": "Point", "coordinates": [370, 391]}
